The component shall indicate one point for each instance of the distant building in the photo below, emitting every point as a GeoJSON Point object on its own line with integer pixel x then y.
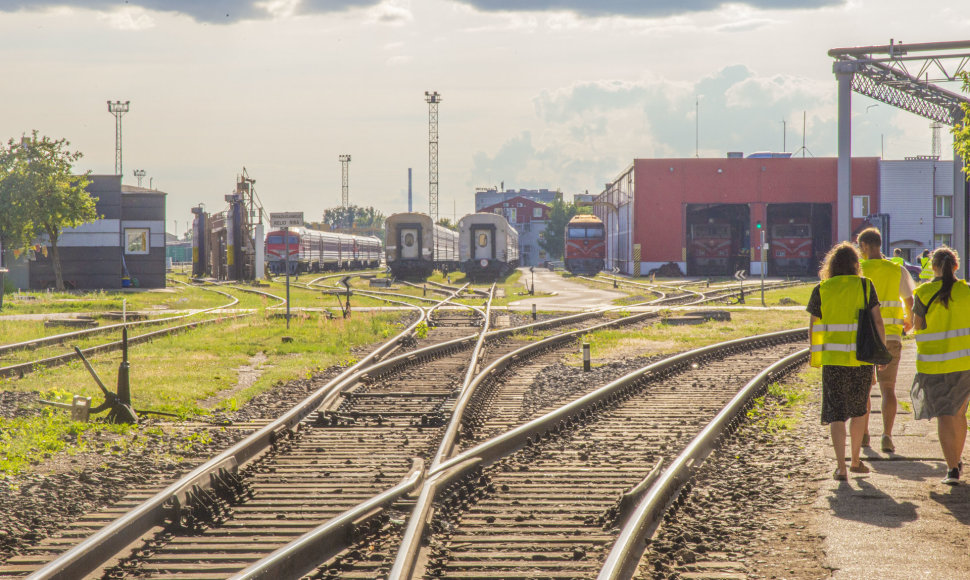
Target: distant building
{"type": "Point", "coordinates": [530, 218]}
{"type": "Point", "coordinates": [488, 197]}
{"type": "Point", "coordinates": [584, 200]}
{"type": "Point", "coordinates": [128, 240]}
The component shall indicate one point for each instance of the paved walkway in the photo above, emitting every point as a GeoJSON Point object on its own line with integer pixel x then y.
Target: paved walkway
{"type": "Point", "coordinates": [567, 295]}
{"type": "Point", "coordinates": [898, 521]}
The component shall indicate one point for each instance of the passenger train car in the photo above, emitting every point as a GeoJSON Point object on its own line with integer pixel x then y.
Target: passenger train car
{"type": "Point", "coordinates": [488, 246]}
{"type": "Point", "coordinates": [316, 251]}
{"type": "Point", "coordinates": [791, 247]}
{"type": "Point", "coordinates": [585, 245]}
{"type": "Point", "coordinates": [415, 246]}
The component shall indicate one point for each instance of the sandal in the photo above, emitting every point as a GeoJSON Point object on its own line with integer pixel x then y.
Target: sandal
{"type": "Point", "coordinates": [861, 468]}
{"type": "Point", "coordinates": [840, 476]}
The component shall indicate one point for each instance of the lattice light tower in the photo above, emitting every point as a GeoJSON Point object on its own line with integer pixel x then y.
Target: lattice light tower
{"type": "Point", "coordinates": [345, 180]}
{"type": "Point", "coordinates": [139, 174]}
{"type": "Point", "coordinates": [432, 98]}
{"type": "Point", "coordinates": [118, 109]}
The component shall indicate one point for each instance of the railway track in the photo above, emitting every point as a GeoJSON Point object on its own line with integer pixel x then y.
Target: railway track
{"type": "Point", "coordinates": [362, 408]}
{"type": "Point", "coordinates": [346, 445]}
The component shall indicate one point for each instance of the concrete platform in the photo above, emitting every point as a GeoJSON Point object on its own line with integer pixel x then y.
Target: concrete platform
{"type": "Point", "coordinates": [898, 521]}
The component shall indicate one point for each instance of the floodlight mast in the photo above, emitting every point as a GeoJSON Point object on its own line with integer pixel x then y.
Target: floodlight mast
{"type": "Point", "coordinates": [118, 109]}
{"type": "Point", "coordinates": [139, 174]}
{"type": "Point", "coordinates": [345, 180]}
{"type": "Point", "coordinates": [432, 98]}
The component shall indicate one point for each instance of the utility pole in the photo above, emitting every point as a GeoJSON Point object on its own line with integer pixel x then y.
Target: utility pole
{"type": "Point", "coordinates": [118, 109]}
{"type": "Point", "coordinates": [345, 180]}
{"type": "Point", "coordinates": [432, 98]}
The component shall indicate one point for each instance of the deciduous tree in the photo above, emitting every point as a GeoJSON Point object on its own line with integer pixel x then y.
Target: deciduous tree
{"type": "Point", "coordinates": [554, 238]}
{"type": "Point", "coordinates": [961, 132]}
{"type": "Point", "coordinates": [55, 198]}
{"type": "Point", "coordinates": [16, 227]}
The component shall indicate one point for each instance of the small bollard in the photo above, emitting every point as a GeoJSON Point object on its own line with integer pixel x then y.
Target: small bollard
{"type": "Point", "coordinates": [534, 315]}
{"type": "Point", "coordinates": [586, 365]}
{"type": "Point", "coordinates": [425, 293]}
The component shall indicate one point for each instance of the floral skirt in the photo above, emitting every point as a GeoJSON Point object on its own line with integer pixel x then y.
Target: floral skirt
{"type": "Point", "coordinates": [845, 392]}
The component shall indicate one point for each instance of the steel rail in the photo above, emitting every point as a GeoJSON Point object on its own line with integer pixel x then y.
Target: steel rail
{"type": "Point", "coordinates": [500, 446]}
{"type": "Point", "coordinates": [323, 540]}
{"type": "Point", "coordinates": [94, 551]}
{"type": "Point", "coordinates": [303, 555]}
{"type": "Point", "coordinates": [60, 338]}
{"type": "Point", "coordinates": [624, 557]}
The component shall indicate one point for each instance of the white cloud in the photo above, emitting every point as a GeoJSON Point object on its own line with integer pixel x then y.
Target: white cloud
{"type": "Point", "coordinates": [394, 12]}
{"type": "Point", "coordinates": [133, 18]}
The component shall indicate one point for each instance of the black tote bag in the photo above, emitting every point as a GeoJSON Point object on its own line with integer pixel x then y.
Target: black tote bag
{"type": "Point", "coordinates": [868, 347]}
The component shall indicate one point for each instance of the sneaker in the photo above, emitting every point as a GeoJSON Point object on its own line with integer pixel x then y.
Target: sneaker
{"type": "Point", "coordinates": [887, 444]}
{"type": "Point", "coordinates": [952, 476]}
{"type": "Point", "coordinates": [865, 440]}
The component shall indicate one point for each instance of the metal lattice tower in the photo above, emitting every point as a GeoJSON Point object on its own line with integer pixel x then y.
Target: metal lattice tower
{"type": "Point", "coordinates": [345, 180]}
{"type": "Point", "coordinates": [118, 109]}
{"type": "Point", "coordinates": [139, 174]}
{"type": "Point", "coordinates": [432, 99]}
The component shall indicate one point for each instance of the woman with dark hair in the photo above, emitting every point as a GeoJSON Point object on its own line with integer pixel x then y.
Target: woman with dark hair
{"type": "Point", "coordinates": [941, 389]}
{"type": "Point", "coordinates": [834, 306]}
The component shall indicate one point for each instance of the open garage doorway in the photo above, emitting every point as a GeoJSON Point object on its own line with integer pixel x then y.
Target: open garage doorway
{"type": "Point", "coordinates": [798, 236]}
{"type": "Point", "coordinates": [718, 239]}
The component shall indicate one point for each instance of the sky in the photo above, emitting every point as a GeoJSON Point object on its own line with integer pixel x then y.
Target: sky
{"type": "Point", "coordinates": [557, 94]}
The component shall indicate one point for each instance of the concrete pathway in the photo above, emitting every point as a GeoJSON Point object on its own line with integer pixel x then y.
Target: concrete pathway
{"type": "Point", "coordinates": [898, 521]}
{"type": "Point", "coordinates": [568, 295]}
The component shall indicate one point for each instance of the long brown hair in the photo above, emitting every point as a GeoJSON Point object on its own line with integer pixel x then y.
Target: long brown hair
{"type": "Point", "coordinates": [946, 260]}
{"type": "Point", "coordinates": [842, 260]}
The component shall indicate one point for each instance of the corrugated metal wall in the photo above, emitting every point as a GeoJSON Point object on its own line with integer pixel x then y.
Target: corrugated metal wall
{"type": "Point", "coordinates": [907, 195]}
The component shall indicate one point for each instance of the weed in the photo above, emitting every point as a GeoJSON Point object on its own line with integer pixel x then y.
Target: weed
{"type": "Point", "coordinates": [421, 330]}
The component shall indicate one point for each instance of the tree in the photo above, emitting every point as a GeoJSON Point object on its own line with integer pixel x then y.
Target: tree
{"type": "Point", "coordinates": [353, 216]}
{"type": "Point", "coordinates": [16, 227]}
{"type": "Point", "coordinates": [961, 132]}
{"type": "Point", "coordinates": [554, 237]}
{"type": "Point", "coordinates": [446, 223]}
{"type": "Point", "coordinates": [55, 197]}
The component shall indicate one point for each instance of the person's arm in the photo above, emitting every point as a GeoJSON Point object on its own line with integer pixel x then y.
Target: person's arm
{"type": "Point", "coordinates": [906, 289]}
{"type": "Point", "coordinates": [908, 320]}
{"type": "Point", "coordinates": [812, 320]}
{"type": "Point", "coordinates": [880, 327]}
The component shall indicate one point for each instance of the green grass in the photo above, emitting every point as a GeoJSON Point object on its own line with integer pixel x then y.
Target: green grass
{"type": "Point", "coordinates": [174, 297]}
{"type": "Point", "coordinates": [663, 338]}
{"type": "Point", "coordinates": [795, 295]}
{"type": "Point", "coordinates": [174, 374]}
{"type": "Point", "coordinates": [775, 409]}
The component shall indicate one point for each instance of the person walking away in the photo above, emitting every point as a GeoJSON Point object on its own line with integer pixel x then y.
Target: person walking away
{"type": "Point", "coordinates": [926, 274]}
{"type": "Point", "coordinates": [834, 307]}
{"type": "Point", "coordinates": [895, 287]}
{"type": "Point", "coordinates": [941, 389]}
{"type": "Point", "coordinates": [898, 258]}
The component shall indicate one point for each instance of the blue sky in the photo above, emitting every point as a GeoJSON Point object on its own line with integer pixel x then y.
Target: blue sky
{"type": "Point", "coordinates": [558, 94]}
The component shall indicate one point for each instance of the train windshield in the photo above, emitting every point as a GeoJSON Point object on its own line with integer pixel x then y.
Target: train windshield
{"type": "Point", "coordinates": [791, 231]}
{"type": "Point", "coordinates": [582, 232]}
{"type": "Point", "coordinates": [703, 231]}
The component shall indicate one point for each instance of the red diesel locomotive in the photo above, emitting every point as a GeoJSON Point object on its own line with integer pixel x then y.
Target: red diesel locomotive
{"type": "Point", "coordinates": [791, 247]}
{"type": "Point", "coordinates": [585, 245]}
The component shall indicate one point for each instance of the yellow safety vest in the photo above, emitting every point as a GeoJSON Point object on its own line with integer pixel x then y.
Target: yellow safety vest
{"type": "Point", "coordinates": [898, 261]}
{"type": "Point", "coordinates": [886, 277]}
{"type": "Point", "coordinates": [944, 345]}
{"type": "Point", "coordinates": [927, 272]}
{"type": "Point", "coordinates": [833, 338]}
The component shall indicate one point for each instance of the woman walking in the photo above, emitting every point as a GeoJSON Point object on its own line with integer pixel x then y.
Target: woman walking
{"type": "Point", "coordinates": [834, 306]}
{"type": "Point", "coordinates": [941, 389]}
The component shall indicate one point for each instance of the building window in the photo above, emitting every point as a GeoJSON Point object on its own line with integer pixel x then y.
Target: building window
{"type": "Point", "coordinates": [136, 240]}
{"type": "Point", "coordinates": [519, 204]}
{"type": "Point", "coordinates": [537, 212]}
{"type": "Point", "coordinates": [944, 206]}
{"type": "Point", "coordinates": [860, 206]}
{"type": "Point", "coordinates": [942, 240]}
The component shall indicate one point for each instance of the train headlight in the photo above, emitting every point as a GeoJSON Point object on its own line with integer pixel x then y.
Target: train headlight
{"type": "Point", "coordinates": [483, 263]}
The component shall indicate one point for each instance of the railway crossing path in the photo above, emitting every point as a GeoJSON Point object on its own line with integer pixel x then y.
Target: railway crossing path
{"type": "Point", "coordinates": [568, 295]}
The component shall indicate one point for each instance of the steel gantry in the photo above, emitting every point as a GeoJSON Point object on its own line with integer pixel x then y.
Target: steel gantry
{"type": "Point", "coordinates": [902, 76]}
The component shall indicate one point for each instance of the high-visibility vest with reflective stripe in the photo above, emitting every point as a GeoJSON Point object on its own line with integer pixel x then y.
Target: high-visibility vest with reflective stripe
{"type": "Point", "coordinates": [897, 260]}
{"type": "Point", "coordinates": [886, 277]}
{"type": "Point", "coordinates": [944, 345]}
{"type": "Point", "coordinates": [833, 338]}
{"type": "Point", "coordinates": [927, 272]}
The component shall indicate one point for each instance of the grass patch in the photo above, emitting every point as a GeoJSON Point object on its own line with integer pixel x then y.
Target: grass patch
{"type": "Point", "coordinates": [660, 338]}
{"type": "Point", "coordinates": [792, 296]}
{"type": "Point", "coordinates": [173, 374]}
{"type": "Point", "coordinates": [775, 410]}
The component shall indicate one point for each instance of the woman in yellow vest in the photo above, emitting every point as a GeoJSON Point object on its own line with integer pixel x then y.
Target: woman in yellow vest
{"type": "Point", "coordinates": [926, 273]}
{"type": "Point", "coordinates": [941, 389]}
{"type": "Point", "coordinates": [834, 306]}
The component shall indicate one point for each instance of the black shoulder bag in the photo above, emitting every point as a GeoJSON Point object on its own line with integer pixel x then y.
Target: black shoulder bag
{"type": "Point", "coordinates": [868, 347]}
